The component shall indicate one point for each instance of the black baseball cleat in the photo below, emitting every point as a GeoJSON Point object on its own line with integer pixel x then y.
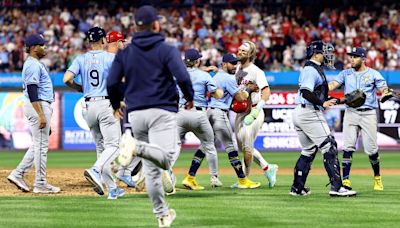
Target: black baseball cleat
{"type": "Point", "coordinates": [305, 192]}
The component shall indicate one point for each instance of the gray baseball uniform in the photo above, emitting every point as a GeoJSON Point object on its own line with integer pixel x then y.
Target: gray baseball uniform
{"type": "Point", "coordinates": [36, 73]}
{"type": "Point", "coordinates": [196, 120]}
{"type": "Point", "coordinates": [93, 68]}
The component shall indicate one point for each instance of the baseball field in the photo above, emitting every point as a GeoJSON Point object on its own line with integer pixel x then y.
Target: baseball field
{"type": "Point", "coordinates": [79, 206]}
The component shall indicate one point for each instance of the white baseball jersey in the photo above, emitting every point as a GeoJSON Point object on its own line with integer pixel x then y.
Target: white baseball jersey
{"type": "Point", "coordinates": [255, 75]}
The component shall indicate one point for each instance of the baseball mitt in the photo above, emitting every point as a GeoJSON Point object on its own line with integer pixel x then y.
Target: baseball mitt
{"type": "Point", "coordinates": [387, 94]}
{"type": "Point", "coordinates": [355, 98]}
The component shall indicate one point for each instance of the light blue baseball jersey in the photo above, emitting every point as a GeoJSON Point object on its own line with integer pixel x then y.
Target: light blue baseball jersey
{"type": "Point", "coordinates": [309, 79]}
{"type": "Point", "coordinates": [227, 83]}
{"type": "Point", "coordinates": [368, 81]}
{"type": "Point", "coordinates": [202, 82]}
{"type": "Point", "coordinates": [93, 68]}
{"type": "Point", "coordinates": [34, 72]}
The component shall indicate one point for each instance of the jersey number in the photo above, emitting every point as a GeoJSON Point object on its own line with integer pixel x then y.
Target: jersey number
{"type": "Point", "coordinates": [94, 74]}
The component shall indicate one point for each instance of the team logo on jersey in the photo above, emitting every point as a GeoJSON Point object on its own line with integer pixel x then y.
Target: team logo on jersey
{"type": "Point", "coordinates": [366, 79]}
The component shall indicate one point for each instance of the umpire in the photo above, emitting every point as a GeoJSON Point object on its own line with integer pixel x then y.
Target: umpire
{"type": "Point", "coordinates": [149, 66]}
{"type": "Point", "coordinates": [309, 122]}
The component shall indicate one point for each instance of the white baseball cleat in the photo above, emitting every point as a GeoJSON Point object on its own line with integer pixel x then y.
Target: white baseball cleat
{"type": "Point", "coordinates": [46, 189]}
{"type": "Point", "coordinates": [19, 182]}
{"type": "Point", "coordinates": [215, 182]}
{"type": "Point", "coordinates": [343, 192]}
{"type": "Point", "coordinates": [167, 182]}
{"type": "Point", "coordinates": [127, 149]}
{"type": "Point", "coordinates": [167, 220]}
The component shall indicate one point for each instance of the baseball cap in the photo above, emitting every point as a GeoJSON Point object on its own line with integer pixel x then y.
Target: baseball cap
{"type": "Point", "coordinates": [115, 36]}
{"type": "Point", "coordinates": [192, 54]}
{"type": "Point", "coordinates": [95, 34]}
{"type": "Point", "coordinates": [146, 15]}
{"type": "Point", "coordinates": [358, 51]}
{"type": "Point", "coordinates": [229, 58]}
{"type": "Point", "coordinates": [35, 39]}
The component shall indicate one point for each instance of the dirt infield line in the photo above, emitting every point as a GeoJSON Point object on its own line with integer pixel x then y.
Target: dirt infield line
{"type": "Point", "coordinates": [73, 183]}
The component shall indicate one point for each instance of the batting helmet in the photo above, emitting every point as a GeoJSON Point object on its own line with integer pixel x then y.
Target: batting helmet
{"type": "Point", "coordinates": [115, 36]}
{"type": "Point", "coordinates": [239, 106]}
{"type": "Point", "coordinates": [326, 49]}
{"type": "Point", "coordinates": [95, 34]}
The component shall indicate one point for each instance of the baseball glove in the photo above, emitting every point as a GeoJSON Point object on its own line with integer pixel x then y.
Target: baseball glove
{"type": "Point", "coordinates": [355, 98]}
{"type": "Point", "coordinates": [387, 94]}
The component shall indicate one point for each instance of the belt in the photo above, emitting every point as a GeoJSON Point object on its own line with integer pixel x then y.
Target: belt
{"type": "Point", "coordinates": [44, 101]}
{"type": "Point", "coordinates": [224, 110]}
{"type": "Point", "coordinates": [364, 109]}
{"type": "Point", "coordinates": [314, 106]}
{"type": "Point", "coordinates": [96, 98]}
{"type": "Point", "coordinates": [201, 108]}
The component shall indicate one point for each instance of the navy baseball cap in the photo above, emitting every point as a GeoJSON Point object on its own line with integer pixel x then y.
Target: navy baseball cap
{"type": "Point", "coordinates": [95, 34]}
{"type": "Point", "coordinates": [229, 58]}
{"type": "Point", "coordinates": [358, 51]}
{"type": "Point", "coordinates": [146, 15]}
{"type": "Point", "coordinates": [35, 39]}
{"type": "Point", "coordinates": [192, 54]}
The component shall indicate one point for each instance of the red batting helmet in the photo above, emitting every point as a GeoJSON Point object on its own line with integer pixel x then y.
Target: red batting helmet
{"type": "Point", "coordinates": [239, 106]}
{"type": "Point", "coordinates": [115, 36]}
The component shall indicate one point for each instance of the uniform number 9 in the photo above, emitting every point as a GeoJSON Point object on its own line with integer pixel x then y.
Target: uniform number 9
{"type": "Point", "coordinates": [94, 74]}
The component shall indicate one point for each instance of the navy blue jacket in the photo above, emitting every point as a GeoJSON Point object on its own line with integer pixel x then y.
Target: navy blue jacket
{"type": "Point", "coordinates": [149, 66]}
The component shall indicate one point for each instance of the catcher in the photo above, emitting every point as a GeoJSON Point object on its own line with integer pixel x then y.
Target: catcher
{"type": "Point", "coordinates": [360, 85]}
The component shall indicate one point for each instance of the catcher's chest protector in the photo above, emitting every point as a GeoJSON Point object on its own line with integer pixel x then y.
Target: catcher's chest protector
{"type": "Point", "coordinates": [322, 90]}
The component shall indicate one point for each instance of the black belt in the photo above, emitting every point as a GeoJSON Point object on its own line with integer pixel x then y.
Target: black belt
{"type": "Point", "coordinates": [44, 101]}
{"type": "Point", "coordinates": [201, 108]}
{"type": "Point", "coordinates": [224, 110]}
{"type": "Point", "coordinates": [95, 98]}
{"type": "Point", "coordinates": [364, 109]}
{"type": "Point", "coordinates": [314, 106]}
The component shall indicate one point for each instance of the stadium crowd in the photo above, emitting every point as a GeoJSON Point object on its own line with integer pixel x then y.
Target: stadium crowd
{"type": "Point", "coordinates": [281, 35]}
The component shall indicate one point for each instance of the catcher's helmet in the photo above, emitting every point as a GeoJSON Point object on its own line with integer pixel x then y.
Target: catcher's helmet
{"type": "Point", "coordinates": [239, 106]}
{"type": "Point", "coordinates": [95, 34]}
{"type": "Point", "coordinates": [326, 49]}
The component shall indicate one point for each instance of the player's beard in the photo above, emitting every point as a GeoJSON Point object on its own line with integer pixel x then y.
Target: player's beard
{"type": "Point", "coordinates": [243, 59]}
{"type": "Point", "coordinates": [231, 70]}
{"type": "Point", "coordinates": [356, 66]}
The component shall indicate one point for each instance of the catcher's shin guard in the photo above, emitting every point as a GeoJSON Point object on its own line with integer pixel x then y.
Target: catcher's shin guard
{"type": "Point", "coordinates": [301, 172]}
{"type": "Point", "coordinates": [332, 167]}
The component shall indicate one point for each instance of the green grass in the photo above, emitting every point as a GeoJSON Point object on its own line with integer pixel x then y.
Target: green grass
{"type": "Point", "coordinates": [222, 207]}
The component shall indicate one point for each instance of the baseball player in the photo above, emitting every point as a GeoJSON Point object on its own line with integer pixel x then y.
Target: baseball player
{"type": "Point", "coordinates": [247, 124]}
{"type": "Point", "coordinates": [362, 119]}
{"type": "Point", "coordinates": [309, 122]}
{"type": "Point", "coordinates": [219, 119]}
{"type": "Point", "coordinates": [150, 67]}
{"type": "Point", "coordinates": [38, 88]}
{"type": "Point", "coordinates": [93, 68]}
{"type": "Point", "coordinates": [116, 41]}
{"type": "Point", "coordinates": [196, 120]}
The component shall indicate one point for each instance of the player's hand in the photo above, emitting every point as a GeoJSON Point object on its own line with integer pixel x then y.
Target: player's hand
{"type": "Point", "coordinates": [329, 103]}
{"type": "Point", "coordinates": [119, 113]}
{"type": "Point", "coordinates": [252, 87]}
{"type": "Point", "coordinates": [189, 105]}
{"type": "Point", "coordinates": [42, 121]}
{"type": "Point", "coordinates": [211, 68]}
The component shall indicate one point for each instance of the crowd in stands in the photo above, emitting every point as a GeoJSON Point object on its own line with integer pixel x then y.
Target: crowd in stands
{"type": "Point", "coordinates": [282, 35]}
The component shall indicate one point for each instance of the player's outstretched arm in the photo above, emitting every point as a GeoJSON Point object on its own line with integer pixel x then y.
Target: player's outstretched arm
{"type": "Point", "coordinates": [333, 85]}
{"type": "Point", "coordinates": [69, 81]}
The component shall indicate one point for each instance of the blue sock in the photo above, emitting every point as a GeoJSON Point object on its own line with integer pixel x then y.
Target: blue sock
{"type": "Point", "coordinates": [346, 163]}
{"type": "Point", "coordinates": [236, 164]}
{"type": "Point", "coordinates": [196, 162]}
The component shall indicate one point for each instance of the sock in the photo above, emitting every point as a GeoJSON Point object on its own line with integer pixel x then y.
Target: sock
{"type": "Point", "coordinates": [375, 163]}
{"type": "Point", "coordinates": [196, 162]}
{"type": "Point", "coordinates": [236, 164]}
{"type": "Point", "coordinates": [346, 163]}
